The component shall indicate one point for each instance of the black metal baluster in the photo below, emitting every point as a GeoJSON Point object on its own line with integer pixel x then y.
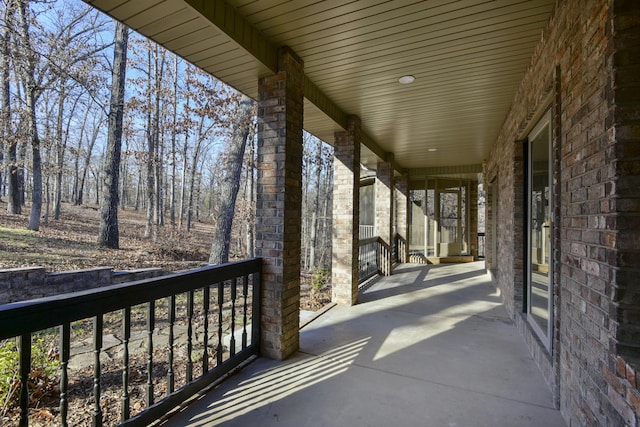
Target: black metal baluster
{"type": "Point", "coordinates": [220, 302]}
{"type": "Point", "coordinates": [189, 336]}
{"type": "Point", "coordinates": [256, 280]}
{"type": "Point", "coordinates": [126, 335]}
{"type": "Point", "coordinates": [25, 370]}
{"type": "Point", "coordinates": [172, 321]}
{"type": "Point", "coordinates": [205, 352]}
{"type": "Point", "coordinates": [65, 352]}
{"type": "Point", "coordinates": [97, 346]}
{"type": "Point", "coordinates": [151, 322]}
{"type": "Point", "coordinates": [245, 291]}
{"type": "Point", "coordinates": [232, 341]}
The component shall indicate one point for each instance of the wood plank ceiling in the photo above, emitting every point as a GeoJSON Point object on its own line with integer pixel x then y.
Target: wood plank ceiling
{"type": "Point", "coordinates": [467, 57]}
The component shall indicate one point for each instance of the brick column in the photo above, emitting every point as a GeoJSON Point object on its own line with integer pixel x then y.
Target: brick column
{"type": "Point", "coordinates": [279, 200]}
{"type": "Point", "coordinates": [402, 217]}
{"type": "Point", "coordinates": [384, 209]}
{"type": "Point", "coordinates": [473, 218]}
{"type": "Point", "coordinates": [346, 214]}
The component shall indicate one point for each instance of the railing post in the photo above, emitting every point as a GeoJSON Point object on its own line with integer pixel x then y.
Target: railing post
{"type": "Point", "coordinates": [97, 347]}
{"type": "Point", "coordinates": [25, 370]}
{"type": "Point", "coordinates": [151, 324]}
{"type": "Point", "coordinates": [126, 335]}
{"type": "Point", "coordinates": [256, 304]}
{"type": "Point", "coordinates": [65, 353]}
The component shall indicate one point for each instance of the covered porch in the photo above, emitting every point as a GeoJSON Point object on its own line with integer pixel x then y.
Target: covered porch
{"type": "Point", "coordinates": [430, 345]}
{"type": "Point", "coordinates": [538, 99]}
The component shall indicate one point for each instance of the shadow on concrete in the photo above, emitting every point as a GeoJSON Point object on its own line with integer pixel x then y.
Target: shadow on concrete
{"type": "Point", "coordinates": [429, 346]}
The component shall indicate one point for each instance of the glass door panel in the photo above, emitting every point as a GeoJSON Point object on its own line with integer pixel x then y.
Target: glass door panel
{"type": "Point", "coordinates": [418, 232]}
{"type": "Point", "coordinates": [539, 279]}
{"type": "Point", "coordinates": [450, 223]}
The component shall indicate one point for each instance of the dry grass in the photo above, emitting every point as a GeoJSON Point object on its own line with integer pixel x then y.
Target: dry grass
{"type": "Point", "coordinates": [70, 243]}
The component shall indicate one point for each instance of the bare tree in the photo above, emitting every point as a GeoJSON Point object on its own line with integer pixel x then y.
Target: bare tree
{"type": "Point", "coordinates": [79, 200]}
{"type": "Point", "coordinates": [27, 66]}
{"type": "Point", "coordinates": [174, 134]}
{"type": "Point", "coordinates": [315, 207]}
{"type": "Point", "coordinates": [13, 203]}
{"type": "Point", "coordinates": [44, 56]}
{"type": "Point", "coordinates": [61, 138]}
{"type": "Point", "coordinates": [155, 70]}
{"type": "Point", "coordinates": [229, 181]}
{"type": "Point", "coordinates": [109, 234]}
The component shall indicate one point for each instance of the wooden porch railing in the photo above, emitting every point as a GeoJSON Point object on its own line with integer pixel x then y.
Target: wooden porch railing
{"type": "Point", "coordinates": [400, 249]}
{"type": "Point", "coordinates": [375, 257]}
{"type": "Point", "coordinates": [481, 245]}
{"type": "Point", "coordinates": [227, 297]}
{"type": "Point", "coordinates": [368, 258]}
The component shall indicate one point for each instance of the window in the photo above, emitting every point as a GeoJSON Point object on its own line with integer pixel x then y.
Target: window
{"type": "Point", "coordinates": [539, 271]}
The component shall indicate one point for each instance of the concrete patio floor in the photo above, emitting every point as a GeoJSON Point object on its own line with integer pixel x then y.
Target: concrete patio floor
{"type": "Point", "coordinates": [428, 346]}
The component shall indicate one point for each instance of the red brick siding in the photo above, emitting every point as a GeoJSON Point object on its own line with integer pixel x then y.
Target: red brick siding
{"type": "Point", "coordinates": [588, 57]}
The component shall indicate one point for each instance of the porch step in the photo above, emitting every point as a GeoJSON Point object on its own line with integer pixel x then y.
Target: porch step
{"type": "Point", "coordinates": [418, 258]}
{"type": "Point", "coordinates": [448, 259]}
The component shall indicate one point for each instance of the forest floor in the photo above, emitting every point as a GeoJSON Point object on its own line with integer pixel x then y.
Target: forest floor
{"type": "Point", "coordinates": [70, 244]}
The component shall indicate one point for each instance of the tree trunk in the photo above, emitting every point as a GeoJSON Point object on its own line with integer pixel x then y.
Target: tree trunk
{"type": "Point", "coordinates": [59, 166]}
{"type": "Point", "coordinates": [159, 60]}
{"type": "Point", "coordinates": [150, 230]}
{"type": "Point", "coordinates": [108, 234]}
{"type": "Point", "coordinates": [76, 161]}
{"type": "Point", "coordinates": [185, 149]}
{"type": "Point", "coordinates": [230, 183]}
{"type": "Point", "coordinates": [14, 206]}
{"type": "Point", "coordinates": [87, 163]}
{"type": "Point", "coordinates": [194, 168]}
{"type": "Point", "coordinates": [124, 183]}
{"type": "Point", "coordinates": [174, 133]}
{"type": "Point", "coordinates": [250, 199]}
{"type": "Point", "coordinates": [314, 212]}
{"type": "Point", "coordinates": [305, 195]}
{"type": "Point", "coordinates": [27, 71]}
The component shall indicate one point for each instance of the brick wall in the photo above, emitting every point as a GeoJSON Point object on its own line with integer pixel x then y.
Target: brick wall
{"type": "Point", "coordinates": [587, 67]}
{"type": "Point", "coordinates": [623, 246]}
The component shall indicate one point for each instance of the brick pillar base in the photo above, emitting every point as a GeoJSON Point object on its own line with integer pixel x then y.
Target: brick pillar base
{"type": "Point", "coordinates": [279, 205]}
{"type": "Point", "coordinates": [346, 214]}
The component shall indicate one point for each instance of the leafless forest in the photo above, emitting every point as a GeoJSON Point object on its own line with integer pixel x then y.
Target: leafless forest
{"type": "Point", "coordinates": [93, 113]}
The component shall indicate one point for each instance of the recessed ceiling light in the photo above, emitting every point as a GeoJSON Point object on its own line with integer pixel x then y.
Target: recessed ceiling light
{"type": "Point", "coordinates": [432, 149]}
{"type": "Point", "coordinates": [405, 80]}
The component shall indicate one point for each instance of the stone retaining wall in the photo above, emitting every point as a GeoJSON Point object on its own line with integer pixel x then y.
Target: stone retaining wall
{"type": "Point", "coordinates": [20, 284]}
